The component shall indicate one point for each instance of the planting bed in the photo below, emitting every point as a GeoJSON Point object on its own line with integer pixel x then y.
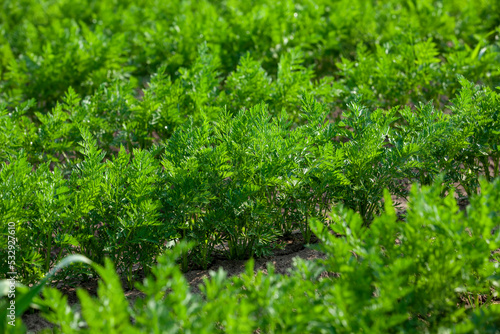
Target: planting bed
{"type": "Point", "coordinates": [143, 143]}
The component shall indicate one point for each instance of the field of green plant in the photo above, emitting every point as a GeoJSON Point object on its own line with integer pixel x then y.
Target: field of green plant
{"type": "Point", "coordinates": [156, 134]}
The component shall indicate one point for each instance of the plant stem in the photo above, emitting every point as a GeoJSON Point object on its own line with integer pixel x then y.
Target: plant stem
{"type": "Point", "coordinates": [184, 253]}
{"type": "Point", "coordinates": [495, 172]}
{"type": "Point", "coordinates": [49, 250]}
{"type": "Point", "coordinates": [486, 166]}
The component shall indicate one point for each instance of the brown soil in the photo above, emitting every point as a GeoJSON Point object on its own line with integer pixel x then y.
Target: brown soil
{"type": "Point", "coordinates": [282, 259]}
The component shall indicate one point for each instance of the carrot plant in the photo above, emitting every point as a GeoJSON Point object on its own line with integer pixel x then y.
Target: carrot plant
{"type": "Point", "coordinates": [128, 128]}
{"type": "Point", "coordinates": [240, 182]}
{"type": "Point", "coordinates": [254, 144]}
{"type": "Point", "coordinates": [390, 277]}
{"type": "Point", "coordinates": [187, 191]}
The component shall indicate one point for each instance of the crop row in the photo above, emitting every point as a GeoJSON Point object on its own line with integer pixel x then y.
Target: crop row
{"type": "Point", "coordinates": [116, 115]}
{"type": "Point", "coordinates": [393, 52]}
{"type": "Point", "coordinates": [150, 133]}
{"type": "Point", "coordinates": [390, 278]}
{"type": "Point", "coordinates": [242, 181]}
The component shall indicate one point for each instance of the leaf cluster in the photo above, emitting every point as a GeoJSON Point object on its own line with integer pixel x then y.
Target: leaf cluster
{"type": "Point", "coordinates": [392, 277]}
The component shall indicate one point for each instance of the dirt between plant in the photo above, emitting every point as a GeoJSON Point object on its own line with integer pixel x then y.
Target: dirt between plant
{"type": "Point", "coordinates": [282, 259]}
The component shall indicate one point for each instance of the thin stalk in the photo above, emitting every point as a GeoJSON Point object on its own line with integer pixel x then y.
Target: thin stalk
{"type": "Point", "coordinates": [231, 246]}
{"type": "Point", "coordinates": [59, 255]}
{"type": "Point", "coordinates": [66, 159]}
{"type": "Point", "coordinates": [204, 251]}
{"type": "Point", "coordinates": [204, 245]}
{"type": "Point", "coordinates": [251, 247]}
{"type": "Point", "coordinates": [184, 253]}
{"type": "Point", "coordinates": [470, 301]}
{"type": "Point", "coordinates": [488, 301]}
{"type": "Point", "coordinates": [369, 212]}
{"type": "Point", "coordinates": [129, 276]}
{"type": "Point", "coordinates": [486, 166]}
{"type": "Point", "coordinates": [496, 162]}
{"type": "Point", "coordinates": [307, 236]}
{"type": "Point", "coordinates": [284, 220]}
{"type": "Point", "coordinates": [49, 250]}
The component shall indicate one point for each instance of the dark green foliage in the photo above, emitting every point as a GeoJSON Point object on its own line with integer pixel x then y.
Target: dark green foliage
{"type": "Point", "coordinates": [392, 277]}
{"type": "Point", "coordinates": [407, 276]}
{"type": "Point", "coordinates": [127, 127]}
{"type": "Point", "coordinates": [241, 181]}
{"type": "Point", "coordinates": [392, 52]}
